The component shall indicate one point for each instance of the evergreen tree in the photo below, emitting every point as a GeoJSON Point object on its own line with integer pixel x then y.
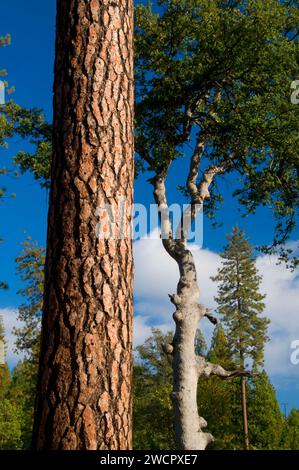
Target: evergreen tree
{"type": "Point", "coordinates": [265, 417]}
{"type": "Point", "coordinates": [21, 393]}
{"type": "Point", "coordinates": [30, 268]}
{"type": "Point", "coordinates": [10, 429]}
{"type": "Point", "coordinates": [217, 397]}
{"type": "Point", "coordinates": [290, 434]}
{"type": "Point", "coordinates": [220, 352]}
{"type": "Point", "coordinates": [152, 386]}
{"type": "Point", "coordinates": [240, 304]}
{"type": "Point", "coordinates": [5, 380]}
{"type": "Point", "coordinates": [17, 393]}
{"type": "Point", "coordinates": [221, 400]}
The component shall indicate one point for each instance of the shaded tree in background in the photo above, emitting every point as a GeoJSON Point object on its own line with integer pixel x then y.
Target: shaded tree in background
{"type": "Point", "coordinates": [220, 350]}
{"type": "Point", "coordinates": [217, 398]}
{"type": "Point", "coordinates": [240, 304]}
{"type": "Point", "coordinates": [21, 396]}
{"type": "Point", "coordinates": [290, 437]}
{"type": "Point", "coordinates": [30, 268]}
{"type": "Point", "coordinates": [18, 391]}
{"type": "Point", "coordinates": [10, 428]}
{"type": "Point", "coordinates": [153, 424]}
{"type": "Point", "coordinates": [199, 85]}
{"type": "Point", "coordinates": [265, 416]}
{"type": "Point", "coordinates": [152, 415]}
{"type": "Point", "coordinates": [153, 427]}
{"type": "Point", "coordinates": [17, 408]}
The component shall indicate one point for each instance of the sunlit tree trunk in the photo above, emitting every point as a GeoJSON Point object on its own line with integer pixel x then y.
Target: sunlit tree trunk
{"type": "Point", "coordinates": [84, 385]}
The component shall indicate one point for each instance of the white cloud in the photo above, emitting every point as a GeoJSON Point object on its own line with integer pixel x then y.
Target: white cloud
{"type": "Point", "coordinates": [156, 276]}
{"type": "Point", "coordinates": [282, 307]}
{"type": "Point", "coordinates": [10, 321]}
{"type": "Point", "coordinates": [142, 329]}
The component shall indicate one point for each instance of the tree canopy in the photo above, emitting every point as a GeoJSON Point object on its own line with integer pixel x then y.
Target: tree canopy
{"type": "Point", "coordinates": [218, 74]}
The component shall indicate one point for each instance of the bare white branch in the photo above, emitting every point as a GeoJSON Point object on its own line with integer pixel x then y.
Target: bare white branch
{"type": "Point", "coordinates": [208, 369]}
{"type": "Point", "coordinates": [195, 204]}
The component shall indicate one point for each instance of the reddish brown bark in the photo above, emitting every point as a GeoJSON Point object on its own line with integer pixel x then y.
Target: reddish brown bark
{"type": "Point", "coordinates": [84, 386]}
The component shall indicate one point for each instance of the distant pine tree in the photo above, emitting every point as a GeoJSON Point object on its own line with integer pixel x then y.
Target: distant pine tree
{"type": "Point", "coordinates": [216, 398]}
{"type": "Point", "coordinates": [10, 433]}
{"type": "Point", "coordinates": [290, 435]}
{"type": "Point", "coordinates": [240, 303]}
{"type": "Point", "coordinates": [152, 387]}
{"type": "Point", "coordinates": [30, 268]}
{"type": "Point", "coordinates": [265, 417]}
{"type": "Point", "coordinates": [220, 352]}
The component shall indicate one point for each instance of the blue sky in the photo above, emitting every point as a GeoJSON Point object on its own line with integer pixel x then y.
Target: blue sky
{"type": "Point", "coordinates": [29, 61]}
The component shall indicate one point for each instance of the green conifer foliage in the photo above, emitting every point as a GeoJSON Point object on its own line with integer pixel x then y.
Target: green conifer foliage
{"type": "Point", "coordinates": [10, 429]}
{"type": "Point", "coordinates": [30, 268]}
{"type": "Point", "coordinates": [265, 417]}
{"type": "Point", "coordinates": [152, 386]}
{"type": "Point", "coordinates": [221, 398]}
{"type": "Point", "coordinates": [220, 352]}
{"type": "Point", "coordinates": [290, 433]}
{"type": "Point", "coordinates": [240, 302]}
{"type": "Point", "coordinates": [18, 392]}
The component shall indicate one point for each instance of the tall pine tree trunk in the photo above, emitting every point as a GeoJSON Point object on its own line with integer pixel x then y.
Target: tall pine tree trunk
{"type": "Point", "coordinates": [243, 388]}
{"type": "Point", "coordinates": [244, 411]}
{"type": "Point", "coordinates": [84, 385]}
